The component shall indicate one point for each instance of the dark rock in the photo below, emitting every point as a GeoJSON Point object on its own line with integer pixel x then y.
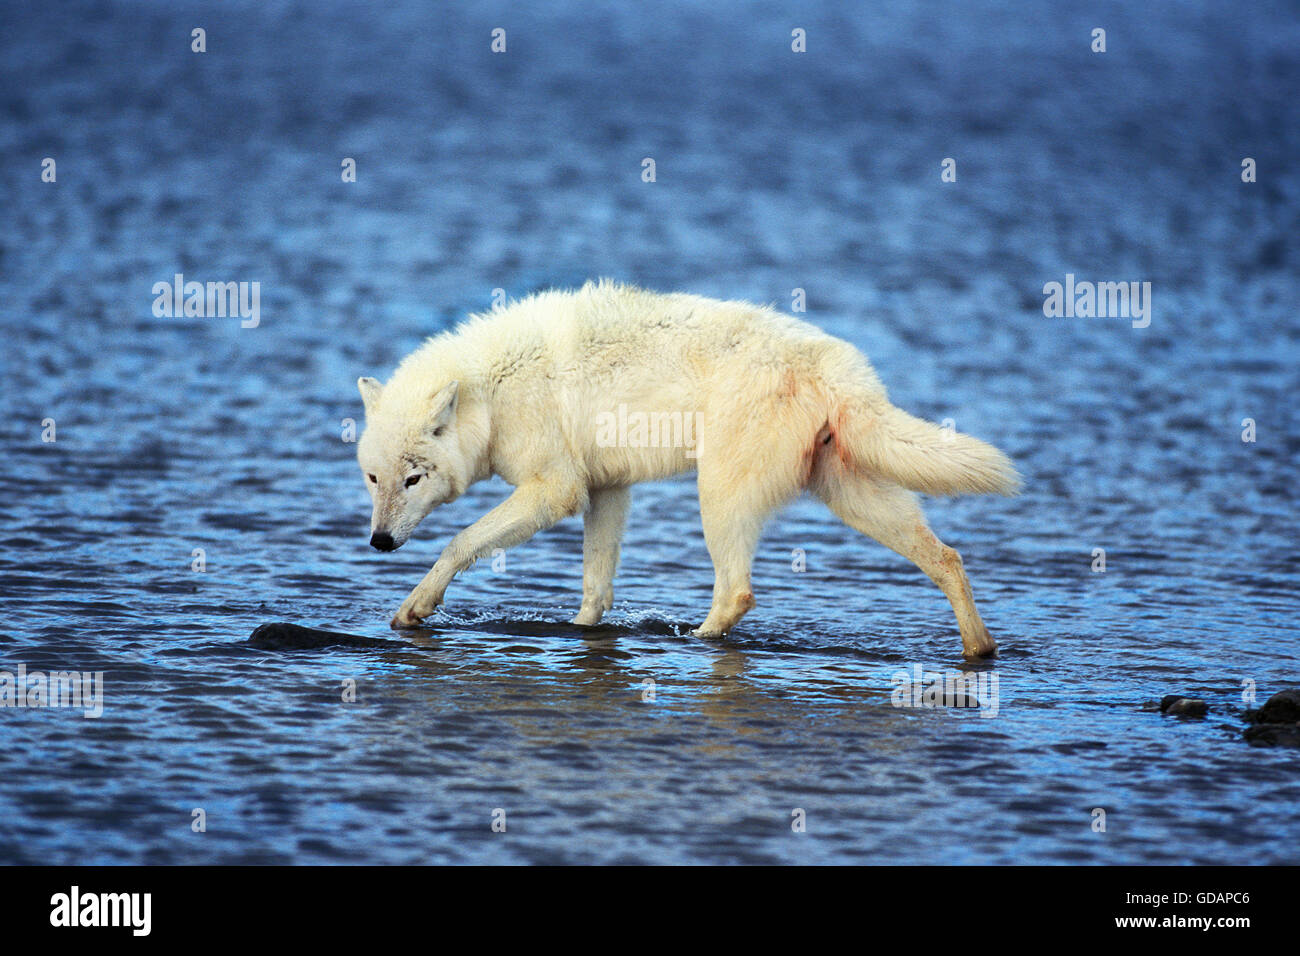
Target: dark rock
{"type": "Point", "coordinates": [291, 637]}
{"type": "Point", "coordinates": [1282, 708]}
{"type": "Point", "coordinates": [938, 695]}
{"type": "Point", "coordinates": [1274, 735]}
{"type": "Point", "coordinates": [1177, 706]}
{"type": "Point", "coordinates": [1277, 723]}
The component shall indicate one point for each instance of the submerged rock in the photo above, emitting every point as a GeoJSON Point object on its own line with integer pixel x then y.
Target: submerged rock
{"type": "Point", "coordinates": [282, 636]}
{"type": "Point", "coordinates": [1273, 735]}
{"type": "Point", "coordinates": [1277, 723]}
{"type": "Point", "coordinates": [1176, 705]}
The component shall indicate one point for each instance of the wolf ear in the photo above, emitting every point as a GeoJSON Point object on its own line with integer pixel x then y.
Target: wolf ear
{"type": "Point", "coordinates": [443, 405]}
{"type": "Point", "coordinates": [370, 389]}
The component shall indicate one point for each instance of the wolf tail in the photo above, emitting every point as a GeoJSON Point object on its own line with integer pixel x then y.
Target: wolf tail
{"type": "Point", "coordinates": [920, 455]}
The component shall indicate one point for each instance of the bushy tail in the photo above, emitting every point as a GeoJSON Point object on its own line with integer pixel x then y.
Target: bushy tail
{"type": "Point", "coordinates": [923, 456]}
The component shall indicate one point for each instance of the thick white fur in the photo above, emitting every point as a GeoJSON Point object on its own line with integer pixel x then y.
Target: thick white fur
{"type": "Point", "coordinates": [782, 406]}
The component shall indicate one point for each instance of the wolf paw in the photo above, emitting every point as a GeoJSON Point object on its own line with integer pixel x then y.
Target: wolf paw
{"type": "Point", "coordinates": [588, 617]}
{"type": "Point", "coordinates": [984, 646]}
{"type": "Point", "coordinates": [594, 608]}
{"type": "Point", "coordinates": [414, 610]}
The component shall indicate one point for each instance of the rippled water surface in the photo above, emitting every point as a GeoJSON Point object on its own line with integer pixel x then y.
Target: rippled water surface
{"type": "Point", "coordinates": [775, 171]}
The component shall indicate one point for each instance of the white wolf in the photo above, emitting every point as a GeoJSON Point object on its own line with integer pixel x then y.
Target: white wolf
{"type": "Point", "coordinates": [529, 392]}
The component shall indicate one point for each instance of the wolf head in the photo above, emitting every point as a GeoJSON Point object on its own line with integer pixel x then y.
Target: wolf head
{"type": "Point", "coordinates": [410, 458]}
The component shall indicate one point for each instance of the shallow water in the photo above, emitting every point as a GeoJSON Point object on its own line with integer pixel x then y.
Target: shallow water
{"type": "Point", "coordinates": [775, 171]}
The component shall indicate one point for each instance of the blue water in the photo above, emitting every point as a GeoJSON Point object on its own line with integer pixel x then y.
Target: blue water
{"type": "Point", "coordinates": [522, 170]}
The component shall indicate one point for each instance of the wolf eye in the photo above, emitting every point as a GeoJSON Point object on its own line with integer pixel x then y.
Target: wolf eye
{"type": "Point", "coordinates": [412, 480]}
{"type": "Point", "coordinates": [373, 479]}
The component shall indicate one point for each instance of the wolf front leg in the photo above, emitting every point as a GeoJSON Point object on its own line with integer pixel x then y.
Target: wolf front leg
{"type": "Point", "coordinates": [531, 508]}
{"type": "Point", "coordinates": [602, 532]}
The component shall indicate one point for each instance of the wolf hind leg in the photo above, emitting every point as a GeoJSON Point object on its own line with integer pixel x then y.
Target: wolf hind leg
{"type": "Point", "coordinates": [736, 500]}
{"type": "Point", "coordinates": [602, 532]}
{"type": "Point", "coordinates": [756, 453]}
{"type": "Point", "coordinates": [892, 515]}
{"type": "Point", "coordinates": [731, 533]}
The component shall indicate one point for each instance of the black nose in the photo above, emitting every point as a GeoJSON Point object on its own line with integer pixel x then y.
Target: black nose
{"type": "Point", "coordinates": [382, 541]}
